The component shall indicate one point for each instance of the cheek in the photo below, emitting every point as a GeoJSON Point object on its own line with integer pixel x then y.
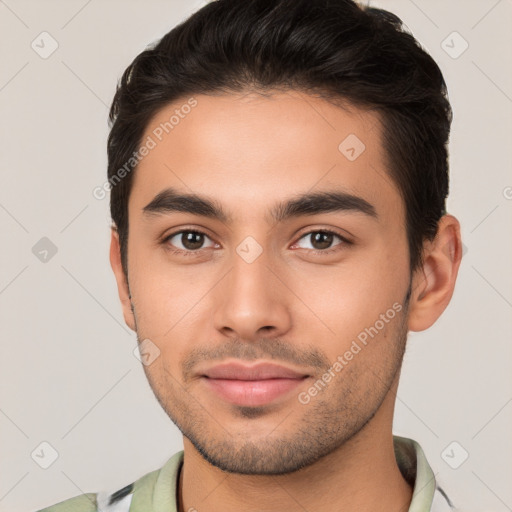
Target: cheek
{"type": "Point", "coordinates": [164, 294]}
{"type": "Point", "coordinates": [353, 291]}
{"type": "Point", "coordinates": [169, 308]}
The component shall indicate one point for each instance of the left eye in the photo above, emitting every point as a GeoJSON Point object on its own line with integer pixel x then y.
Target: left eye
{"type": "Point", "coordinates": [322, 240]}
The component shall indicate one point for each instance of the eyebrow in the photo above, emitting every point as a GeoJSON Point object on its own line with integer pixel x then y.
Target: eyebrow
{"type": "Point", "coordinates": [171, 200]}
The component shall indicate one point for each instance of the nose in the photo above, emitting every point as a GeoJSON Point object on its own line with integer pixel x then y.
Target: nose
{"type": "Point", "coordinates": [252, 301]}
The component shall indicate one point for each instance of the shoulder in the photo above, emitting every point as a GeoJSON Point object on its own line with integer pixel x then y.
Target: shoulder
{"type": "Point", "coordinates": [141, 492]}
{"type": "Point", "coordinates": [118, 501]}
{"type": "Point", "coordinates": [82, 503]}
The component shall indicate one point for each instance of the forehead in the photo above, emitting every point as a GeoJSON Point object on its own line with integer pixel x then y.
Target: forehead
{"type": "Point", "coordinates": [253, 150]}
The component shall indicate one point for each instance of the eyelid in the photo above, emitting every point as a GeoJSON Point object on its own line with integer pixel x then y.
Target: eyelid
{"type": "Point", "coordinates": [345, 236]}
{"type": "Point", "coordinates": [174, 250]}
{"type": "Point", "coordinates": [181, 229]}
{"type": "Point", "coordinates": [344, 241]}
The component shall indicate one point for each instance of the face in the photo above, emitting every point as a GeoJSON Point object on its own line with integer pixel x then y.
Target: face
{"type": "Point", "coordinates": [275, 313]}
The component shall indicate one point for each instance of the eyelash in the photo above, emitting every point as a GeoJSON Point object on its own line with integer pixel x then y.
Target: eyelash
{"type": "Point", "coordinates": [344, 241]}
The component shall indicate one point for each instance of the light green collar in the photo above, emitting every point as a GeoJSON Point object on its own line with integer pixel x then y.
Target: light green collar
{"type": "Point", "coordinates": [416, 470]}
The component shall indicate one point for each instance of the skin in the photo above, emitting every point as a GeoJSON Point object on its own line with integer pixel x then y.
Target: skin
{"type": "Point", "coordinates": [289, 305]}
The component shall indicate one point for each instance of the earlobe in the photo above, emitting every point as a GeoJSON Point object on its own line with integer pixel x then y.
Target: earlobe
{"type": "Point", "coordinates": [122, 282]}
{"type": "Point", "coordinates": [434, 282]}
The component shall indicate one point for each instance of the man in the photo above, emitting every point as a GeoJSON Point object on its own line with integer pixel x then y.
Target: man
{"type": "Point", "coordinates": [278, 174]}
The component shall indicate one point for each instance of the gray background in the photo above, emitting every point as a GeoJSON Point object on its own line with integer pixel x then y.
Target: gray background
{"type": "Point", "coordinates": [68, 373]}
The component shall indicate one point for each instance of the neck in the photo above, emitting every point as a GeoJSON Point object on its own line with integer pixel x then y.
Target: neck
{"type": "Point", "coordinates": [362, 474]}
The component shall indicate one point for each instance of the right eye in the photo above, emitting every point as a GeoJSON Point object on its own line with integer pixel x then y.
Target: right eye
{"type": "Point", "coordinates": [191, 241]}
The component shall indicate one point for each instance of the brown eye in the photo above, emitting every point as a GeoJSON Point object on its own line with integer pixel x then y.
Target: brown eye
{"type": "Point", "coordinates": [187, 240]}
{"type": "Point", "coordinates": [192, 240]}
{"type": "Point", "coordinates": [323, 241]}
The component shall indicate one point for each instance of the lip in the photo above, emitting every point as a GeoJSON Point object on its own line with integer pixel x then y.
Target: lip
{"type": "Point", "coordinates": [259, 371]}
{"type": "Point", "coordinates": [253, 385]}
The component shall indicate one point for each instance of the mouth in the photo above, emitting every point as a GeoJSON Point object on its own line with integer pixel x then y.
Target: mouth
{"type": "Point", "coordinates": [251, 386]}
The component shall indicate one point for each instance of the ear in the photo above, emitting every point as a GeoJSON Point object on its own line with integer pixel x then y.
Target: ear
{"type": "Point", "coordinates": [122, 282]}
{"type": "Point", "coordinates": [434, 282]}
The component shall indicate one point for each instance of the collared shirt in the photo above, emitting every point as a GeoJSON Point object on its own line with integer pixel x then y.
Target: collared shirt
{"type": "Point", "coordinates": [157, 491]}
